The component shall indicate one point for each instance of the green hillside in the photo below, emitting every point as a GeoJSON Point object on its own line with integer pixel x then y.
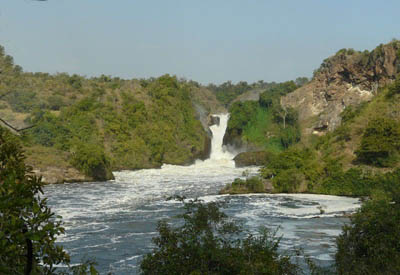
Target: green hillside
{"type": "Point", "coordinates": [359, 158]}
{"type": "Point", "coordinates": [264, 124]}
{"type": "Point", "coordinates": [101, 124]}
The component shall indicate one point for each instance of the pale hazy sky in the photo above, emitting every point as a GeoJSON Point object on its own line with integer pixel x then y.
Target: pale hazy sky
{"type": "Point", "coordinates": [203, 40]}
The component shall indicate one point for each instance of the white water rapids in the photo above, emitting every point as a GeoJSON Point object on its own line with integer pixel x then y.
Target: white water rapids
{"type": "Point", "coordinates": [114, 221]}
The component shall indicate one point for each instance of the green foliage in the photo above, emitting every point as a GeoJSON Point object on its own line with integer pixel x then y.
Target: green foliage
{"type": "Point", "coordinates": [55, 102]}
{"type": "Point", "coordinates": [28, 228]}
{"type": "Point", "coordinates": [139, 124]}
{"type": "Point", "coordinates": [289, 169]}
{"type": "Point", "coordinates": [209, 243]}
{"type": "Point", "coordinates": [265, 123]}
{"type": "Point", "coordinates": [370, 244]}
{"type": "Point", "coordinates": [240, 112]}
{"type": "Point", "coordinates": [91, 159]}
{"type": "Point", "coordinates": [380, 142]}
{"type": "Point", "coordinates": [124, 131]}
{"type": "Point", "coordinates": [349, 51]}
{"type": "Point", "coordinates": [250, 185]}
{"type": "Point", "coordinates": [49, 130]}
{"type": "Point", "coordinates": [22, 102]}
{"type": "Point", "coordinates": [289, 136]}
{"type": "Point", "coordinates": [301, 81]}
{"type": "Point", "coordinates": [227, 91]}
{"type": "Point", "coordinates": [394, 89]}
{"type": "Point", "coordinates": [350, 112]}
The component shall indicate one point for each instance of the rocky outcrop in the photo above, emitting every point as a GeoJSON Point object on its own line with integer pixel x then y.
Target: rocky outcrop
{"type": "Point", "coordinates": [251, 158]}
{"type": "Point", "coordinates": [348, 78]}
{"type": "Point", "coordinates": [213, 120]}
{"type": "Point", "coordinates": [52, 175]}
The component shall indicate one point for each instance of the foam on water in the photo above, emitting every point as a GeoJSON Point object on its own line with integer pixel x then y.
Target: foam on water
{"type": "Point", "coordinates": [115, 221]}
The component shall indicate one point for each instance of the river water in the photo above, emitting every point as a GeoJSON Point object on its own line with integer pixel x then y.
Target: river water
{"type": "Point", "coordinates": [114, 222]}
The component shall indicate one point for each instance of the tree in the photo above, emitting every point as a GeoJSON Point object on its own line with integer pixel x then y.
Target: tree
{"type": "Point", "coordinates": [370, 244]}
{"type": "Point", "coordinates": [380, 142]}
{"type": "Point", "coordinates": [209, 243]}
{"type": "Point", "coordinates": [28, 228]}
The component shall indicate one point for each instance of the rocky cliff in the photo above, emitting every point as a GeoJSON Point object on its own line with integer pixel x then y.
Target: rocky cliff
{"type": "Point", "coordinates": [347, 78]}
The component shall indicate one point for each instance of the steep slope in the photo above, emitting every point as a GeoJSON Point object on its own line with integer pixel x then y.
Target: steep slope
{"type": "Point", "coordinates": [345, 79]}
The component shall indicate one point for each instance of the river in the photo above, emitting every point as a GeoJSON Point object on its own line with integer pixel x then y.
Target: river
{"type": "Point", "coordinates": [114, 222]}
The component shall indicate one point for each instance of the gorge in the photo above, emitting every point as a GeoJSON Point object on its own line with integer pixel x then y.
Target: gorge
{"type": "Point", "coordinates": [114, 221]}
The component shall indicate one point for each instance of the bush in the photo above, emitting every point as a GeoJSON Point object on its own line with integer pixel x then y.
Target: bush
{"type": "Point", "coordinates": [55, 102]}
{"type": "Point", "coordinates": [370, 244]}
{"type": "Point", "coordinates": [380, 142]}
{"type": "Point", "coordinates": [91, 160]}
{"type": "Point", "coordinates": [289, 136]}
{"type": "Point", "coordinates": [394, 88]}
{"type": "Point", "coordinates": [22, 102]}
{"type": "Point", "coordinates": [209, 243]}
{"type": "Point", "coordinates": [251, 185]}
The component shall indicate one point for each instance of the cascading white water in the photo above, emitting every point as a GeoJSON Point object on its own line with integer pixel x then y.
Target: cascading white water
{"type": "Point", "coordinates": [218, 151]}
{"type": "Point", "coordinates": [121, 216]}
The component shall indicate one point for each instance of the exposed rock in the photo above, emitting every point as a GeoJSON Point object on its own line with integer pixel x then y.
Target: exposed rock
{"type": "Point", "coordinates": [54, 175]}
{"type": "Point", "coordinates": [204, 154]}
{"type": "Point", "coordinates": [348, 78]}
{"type": "Point", "coordinates": [213, 120]}
{"type": "Point", "coordinates": [251, 158]}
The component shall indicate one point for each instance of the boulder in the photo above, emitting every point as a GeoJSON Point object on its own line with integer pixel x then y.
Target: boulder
{"type": "Point", "coordinates": [251, 158]}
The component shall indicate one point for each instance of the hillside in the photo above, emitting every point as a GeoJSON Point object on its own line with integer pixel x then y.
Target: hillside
{"type": "Point", "coordinates": [263, 124]}
{"type": "Point", "coordinates": [86, 127]}
{"type": "Point", "coordinates": [349, 120]}
{"type": "Point", "coordinates": [345, 79]}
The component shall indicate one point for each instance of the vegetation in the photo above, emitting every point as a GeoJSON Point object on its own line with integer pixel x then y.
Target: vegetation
{"type": "Point", "coordinates": [102, 124]}
{"type": "Point", "coordinates": [210, 243]}
{"type": "Point", "coordinates": [249, 185]}
{"type": "Point", "coordinates": [28, 228]}
{"type": "Point", "coordinates": [370, 244]}
{"type": "Point", "coordinates": [265, 123]}
{"type": "Point", "coordinates": [227, 91]}
{"type": "Point", "coordinates": [352, 160]}
{"type": "Point", "coordinates": [380, 142]}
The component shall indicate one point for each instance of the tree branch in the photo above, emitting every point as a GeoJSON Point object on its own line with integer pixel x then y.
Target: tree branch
{"type": "Point", "coordinates": [13, 129]}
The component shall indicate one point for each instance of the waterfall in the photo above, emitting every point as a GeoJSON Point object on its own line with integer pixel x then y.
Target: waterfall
{"type": "Point", "coordinates": [218, 151]}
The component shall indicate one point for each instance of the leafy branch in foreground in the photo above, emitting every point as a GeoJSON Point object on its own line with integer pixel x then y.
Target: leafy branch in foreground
{"type": "Point", "coordinates": [28, 227]}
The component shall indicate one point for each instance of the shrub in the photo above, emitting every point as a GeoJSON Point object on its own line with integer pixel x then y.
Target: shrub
{"type": "Point", "coordinates": [22, 102]}
{"type": "Point", "coordinates": [91, 159]}
{"type": "Point", "coordinates": [370, 244]}
{"type": "Point", "coordinates": [394, 88]}
{"type": "Point", "coordinates": [209, 243]}
{"type": "Point", "coordinates": [55, 102]}
{"type": "Point", "coordinates": [380, 142]}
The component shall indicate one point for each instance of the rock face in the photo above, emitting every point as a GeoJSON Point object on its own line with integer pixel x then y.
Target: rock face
{"type": "Point", "coordinates": [213, 120]}
{"type": "Point", "coordinates": [348, 78]}
{"type": "Point", "coordinates": [53, 175]}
